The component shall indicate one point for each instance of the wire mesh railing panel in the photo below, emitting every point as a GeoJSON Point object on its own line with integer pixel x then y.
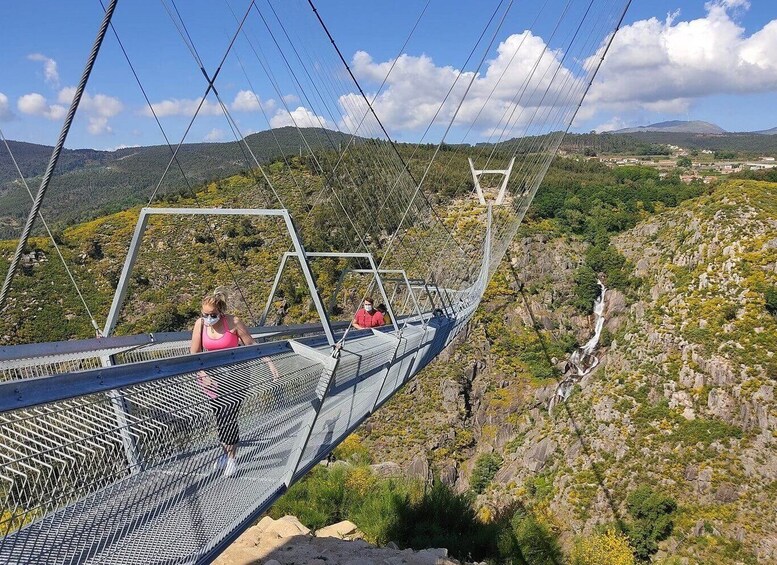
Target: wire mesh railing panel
{"type": "Point", "coordinates": [360, 372]}
{"type": "Point", "coordinates": [401, 369]}
{"type": "Point", "coordinates": [65, 474]}
{"type": "Point", "coordinates": [46, 366]}
{"type": "Point", "coordinates": [155, 351]}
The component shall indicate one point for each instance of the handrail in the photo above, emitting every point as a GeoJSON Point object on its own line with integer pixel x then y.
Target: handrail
{"type": "Point", "coordinates": [51, 348]}
{"type": "Point", "coordinates": [25, 393]}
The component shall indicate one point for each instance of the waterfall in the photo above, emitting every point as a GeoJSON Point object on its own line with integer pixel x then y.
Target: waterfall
{"type": "Point", "coordinates": [583, 361]}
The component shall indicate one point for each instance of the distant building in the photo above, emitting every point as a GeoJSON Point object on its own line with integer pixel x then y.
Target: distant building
{"type": "Point", "coordinates": [760, 166]}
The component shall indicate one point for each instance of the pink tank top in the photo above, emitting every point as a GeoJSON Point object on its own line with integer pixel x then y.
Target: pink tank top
{"type": "Point", "coordinates": [226, 341]}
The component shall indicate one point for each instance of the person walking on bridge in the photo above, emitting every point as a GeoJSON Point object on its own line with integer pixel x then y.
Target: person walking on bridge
{"type": "Point", "coordinates": [214, 330]}
{"type": "Point", "coordinates": [367, 316]}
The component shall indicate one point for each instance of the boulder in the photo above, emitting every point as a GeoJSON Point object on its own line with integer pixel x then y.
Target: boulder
{"type": "Point", "coordinates": [419, 468]}
{"type": "Point", "coordinates": [340, 530]}
{"type": "Point", "coordinates": [450, 394]}
{"type": "Point", "coordinates": [726, 493]}
{"type": "Point", "coordinates": [449, 474]}
{"type": "Point", "coordinates": [539, 454]}
{"type": "Point", "coordinates": [285, 527]}
{"type": "Point", "coordinates": [386, 469]}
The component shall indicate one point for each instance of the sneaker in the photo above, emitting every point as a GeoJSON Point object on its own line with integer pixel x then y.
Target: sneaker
{"type": "Point", "coordinates": [219, 463]}
{"type": "Point", "coordinates": [230, 467]}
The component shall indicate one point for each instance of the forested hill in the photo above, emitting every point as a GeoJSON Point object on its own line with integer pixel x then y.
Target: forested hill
{"type": "Point", "coordinates": [745, 145]}
{"type": "Point", "coordinates": [88, 182]}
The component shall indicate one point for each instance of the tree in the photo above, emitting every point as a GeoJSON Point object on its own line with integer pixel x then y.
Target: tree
{"type": "Point", "coordinates": [587, 289]}
{"type": "Point", "coordinates": [486, 467]}
{"type": "Point", "coordinates": [684, 162]}
{"type": "Point", "coordinates": [770, 296]}
{"type": "Point", "coordinates": [653, 520]}
{"type": "Point", "coordinates": [537, 544]}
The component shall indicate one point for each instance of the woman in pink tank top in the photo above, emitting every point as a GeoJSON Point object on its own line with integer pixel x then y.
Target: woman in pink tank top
{"type": "Point", "coordinates": [216, 329]}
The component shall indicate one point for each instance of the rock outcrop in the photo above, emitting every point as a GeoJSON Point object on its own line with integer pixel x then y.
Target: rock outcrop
{"type": "Point", "coordinates": [287, 542]}
{"type": "Point", "coordinates": [683, 399]}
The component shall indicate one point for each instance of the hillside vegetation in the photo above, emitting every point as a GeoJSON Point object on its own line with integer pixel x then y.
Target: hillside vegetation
{"type": "Point", "coordinates": [671, 440]}
{"type": "Point", "coordinates": [89, 183]}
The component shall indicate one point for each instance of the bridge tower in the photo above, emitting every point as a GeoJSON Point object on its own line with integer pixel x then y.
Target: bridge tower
{"type": "Point", "coordinates": [502, 188]}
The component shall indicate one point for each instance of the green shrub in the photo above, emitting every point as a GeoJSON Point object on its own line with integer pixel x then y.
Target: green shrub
{"type": "Point", "coordinates": [536, 543]}
{"type": "Point", "coordinates": [318, 500]}
{"type": "Point", "coordinates": [443, 518]}
{"type": "Point", "coordinates": [770, 297]}
{"type": "Point", "coordinates": [702, 430]}
{"type": "Point", "coordinates": [652, 515]}
{"type": "Point", "coordinates": [586, 289]}
{"type": "Point", "coordinates": [486, 467]}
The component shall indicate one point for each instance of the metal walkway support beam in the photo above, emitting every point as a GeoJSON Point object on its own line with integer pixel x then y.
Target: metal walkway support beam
{"type": "Point", "coordinates": [299, 252]}
{"type": "Point", "coordinates": [500, 197]}
{"type": "Point", "coordinates": [373, 270]}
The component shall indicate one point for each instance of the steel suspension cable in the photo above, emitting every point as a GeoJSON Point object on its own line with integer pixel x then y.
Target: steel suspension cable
{"type": "Point", "coordinates": [51, 236]}
{"type": "Point", "coordinates": [184, 33]}
{"type": "Point", "coordinates": [453, 118]}
{"type": "Point", "coordinates": [372, 110]}
{"type": "Point", "coordinates": [56, 153]}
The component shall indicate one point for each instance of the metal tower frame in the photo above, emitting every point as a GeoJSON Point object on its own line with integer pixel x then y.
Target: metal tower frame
{"type": "Point", "coordinates": [502, 188]}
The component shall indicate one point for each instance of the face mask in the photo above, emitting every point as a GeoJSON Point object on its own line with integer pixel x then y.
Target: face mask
{"type": "Point", "coordinates": [368, 307]}
{"type": "Point", "coordinates": [210, 320]}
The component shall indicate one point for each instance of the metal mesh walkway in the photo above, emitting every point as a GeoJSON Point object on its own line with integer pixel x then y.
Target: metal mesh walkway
{"type": "Point", "coordinates": [70, 496]}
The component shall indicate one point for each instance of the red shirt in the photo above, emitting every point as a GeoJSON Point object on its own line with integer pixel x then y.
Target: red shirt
{"type": "Point", "coordinates": [368, 319]}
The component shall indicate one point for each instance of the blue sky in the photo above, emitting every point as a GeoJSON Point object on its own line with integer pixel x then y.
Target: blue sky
{"type": "Point", "coordinates": [709, 60]}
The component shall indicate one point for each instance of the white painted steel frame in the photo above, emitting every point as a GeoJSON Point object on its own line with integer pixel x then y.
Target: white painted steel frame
{"type": "Point", "coordinates": [502, 187]}
{"type": "Point", "coordinates": [140, 228]}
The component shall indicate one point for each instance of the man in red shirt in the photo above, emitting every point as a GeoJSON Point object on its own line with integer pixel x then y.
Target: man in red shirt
{"type": "Point", "coordinates": [367, 317]}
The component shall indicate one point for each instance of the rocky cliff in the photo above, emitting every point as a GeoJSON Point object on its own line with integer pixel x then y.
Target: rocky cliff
{"type": "Point", "coordinates": [682, 401]}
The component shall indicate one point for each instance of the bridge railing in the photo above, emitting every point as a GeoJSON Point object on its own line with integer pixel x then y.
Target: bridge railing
{"type": "Point", "coordinates": [51, 358]}
{"type": "Point", "coordinates": [120, 463]}
{"type": "Point", "coordinates": [68, 494]}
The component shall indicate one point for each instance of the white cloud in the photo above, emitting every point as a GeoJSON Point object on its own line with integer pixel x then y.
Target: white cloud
{"type": "Point", "coordinates": [614, 123]}
{"type": "Point", "coordinates": [664, 66]}
{"type": "Point", "coordinates": [50, 73]}
{"type": "Point", "coordinates": [98, 109]}
{"type": "Point", "coordinates": [35, 104]}
{"type": "Point", "coordinates": [301, 117]}
{"type": "Point", "coordinates": [520, 83]}
{"type": "Point", "coordinates": [5, 109]}
{"type": "Point", "coordinates": [183, 107]}
{"type": "Point", "coordinates": [290, 98]}
{"type": "Point", "coordinates": [215, 135]}
{"type": "Point", "coordinates": [248, 101]}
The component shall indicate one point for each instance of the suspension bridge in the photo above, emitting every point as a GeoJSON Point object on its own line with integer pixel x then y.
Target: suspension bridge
{"type": "Point", "coordinates": [107, 444]}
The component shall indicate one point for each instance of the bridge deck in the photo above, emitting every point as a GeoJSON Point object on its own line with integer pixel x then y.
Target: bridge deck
{"type": "Point", "coordinates": [178, 509]}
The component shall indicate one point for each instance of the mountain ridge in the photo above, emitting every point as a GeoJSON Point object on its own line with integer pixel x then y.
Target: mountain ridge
{"type": "Point", "coordinates": [89, 182]}
{"type": "Point", "coordinates": [676, 126]}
